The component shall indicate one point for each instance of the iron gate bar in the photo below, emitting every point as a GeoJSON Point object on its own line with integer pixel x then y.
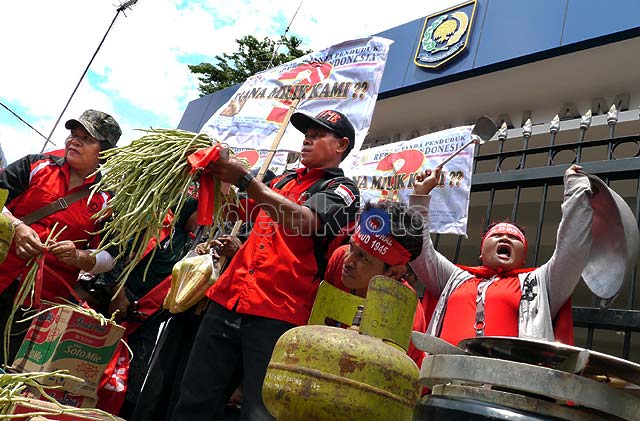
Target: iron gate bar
{"type": "Point", "coordinates": [612, 120]}
{"type": "Point", "coordinates": [632, 295]}
{"type": "Point", "coordinates": [610, 319]}
{"type": "Point", "coordinates": [580, 145]}
{"type": "Point", "coordinates": [543, 206]}
{"type": "Point", "coordinates": [526, 134]}
{"type": "Point", "coordinates": [558, 148]}
{"type": "Point", "coordinates": [492, 193]}
{"type": "Point", "coordinates": [626, 346]}
{"type": "Point", "coordinates": [618, 169]}
{"type": "Point", "coordinates": [555, 126]}
{"type": "Point", "coordinates": [585, 123]}
{"type": "Point", "coordinates": [594, 300]}
{"type": "Point", "coordinates": [456, 255]}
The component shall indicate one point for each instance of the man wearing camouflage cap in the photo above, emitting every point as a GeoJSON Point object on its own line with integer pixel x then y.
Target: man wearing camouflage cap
{"type": "Point", "coordinates": [45, 189]}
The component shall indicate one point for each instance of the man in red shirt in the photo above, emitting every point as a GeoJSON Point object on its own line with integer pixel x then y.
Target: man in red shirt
{"type": "Point", "coordinates": [352, 266]}
{"type": "Point", "coordinates": [270, 285]}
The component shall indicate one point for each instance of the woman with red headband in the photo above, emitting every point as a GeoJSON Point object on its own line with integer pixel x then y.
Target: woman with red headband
{"type": "Point", "coordinates": [502, 297]}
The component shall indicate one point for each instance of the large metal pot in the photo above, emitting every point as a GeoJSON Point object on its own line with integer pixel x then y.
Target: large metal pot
{"type": "Point", "coordinates": [444, 408]}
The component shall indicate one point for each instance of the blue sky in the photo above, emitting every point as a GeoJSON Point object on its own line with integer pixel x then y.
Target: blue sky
{"type": "Point", "coordinates": [140, 75]}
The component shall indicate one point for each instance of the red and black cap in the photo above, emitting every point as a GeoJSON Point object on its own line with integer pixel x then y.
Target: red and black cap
{"type": "Point", "coordinates": [330, 119]}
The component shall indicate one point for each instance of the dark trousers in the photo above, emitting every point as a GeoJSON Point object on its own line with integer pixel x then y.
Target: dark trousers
{"type": "Point", "coordinates": [225, 340]}
{"type": "Point", "coordinates": [142, 342]}
{"type": "Point", "coordinates": [161, 389]}
{"type": "Point", "coordinates": [18, 330]}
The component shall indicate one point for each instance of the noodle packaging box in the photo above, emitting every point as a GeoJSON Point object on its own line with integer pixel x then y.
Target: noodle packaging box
{"type": "Point", "coordinates": [65, 339]}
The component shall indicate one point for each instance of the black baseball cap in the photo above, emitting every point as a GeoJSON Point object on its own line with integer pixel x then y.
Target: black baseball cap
{"type": "Point", "coordinates": [330, 119]}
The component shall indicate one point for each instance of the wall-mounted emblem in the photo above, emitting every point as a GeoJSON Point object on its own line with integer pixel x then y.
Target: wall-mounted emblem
{"type": "Point", "coordinates": [445, 35]}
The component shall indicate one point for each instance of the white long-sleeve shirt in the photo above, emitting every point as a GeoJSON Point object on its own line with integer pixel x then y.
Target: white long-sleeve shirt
{"type": "Point", "coordinates": [551, 284]}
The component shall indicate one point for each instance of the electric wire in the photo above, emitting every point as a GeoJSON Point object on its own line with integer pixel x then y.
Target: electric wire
{"type": "Point", "coordinates": [23, 120]}
{"type": "Point", "coordinates": [121, 8]}
{"type": "Point", "coordinates": [284, 34]}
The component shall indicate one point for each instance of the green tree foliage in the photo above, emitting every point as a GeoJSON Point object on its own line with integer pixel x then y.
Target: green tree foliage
{"type": "Point", "coordinates": [253, 56]}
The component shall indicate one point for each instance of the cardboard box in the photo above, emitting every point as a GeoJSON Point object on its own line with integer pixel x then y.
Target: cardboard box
{"type": "Point", "coordinates": [51, 411]}
{"type": "Point", "coordinates": [64, 339]}
{"type": "Point", "coordinates": [62, 396]}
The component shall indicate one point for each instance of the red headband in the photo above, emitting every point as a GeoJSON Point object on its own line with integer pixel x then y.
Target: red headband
{"type": "Point", "coordinates": [382, 247]}
{"type": "Point", "coordinates": [505, 228]}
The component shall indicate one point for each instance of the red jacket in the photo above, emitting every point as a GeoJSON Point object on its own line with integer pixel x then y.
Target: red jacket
{"type": "Point", "coordinates": [33, 182]}
{"type": "Point", "coordinates": [274, 274]}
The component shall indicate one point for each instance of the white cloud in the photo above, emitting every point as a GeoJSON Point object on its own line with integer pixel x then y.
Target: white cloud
{"type": "Point", "coordinates": [141, 80]}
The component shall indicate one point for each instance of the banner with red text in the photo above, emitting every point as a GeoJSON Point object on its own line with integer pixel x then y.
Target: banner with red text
{"type": "Point", "coordinates": [389, 171]}
{"type": "Point", "coordinates": [345, 77]}
{"type": "Point", "coordinates": [255, 159]}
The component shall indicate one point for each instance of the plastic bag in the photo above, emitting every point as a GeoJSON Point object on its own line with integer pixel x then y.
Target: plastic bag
{"type": "Point", "coordinates": [190, 279]}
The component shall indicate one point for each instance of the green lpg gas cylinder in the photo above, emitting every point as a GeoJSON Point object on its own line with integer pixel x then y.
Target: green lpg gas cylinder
{"type": "Point", "coordinates": [330, 373]}
{"type": "Point", "coordinates": [6, 229]}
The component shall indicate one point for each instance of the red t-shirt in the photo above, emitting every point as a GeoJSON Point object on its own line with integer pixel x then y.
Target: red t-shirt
{"type": "Point", "coordinates": [501, 307]}
{"type": "Point", "coordinates": [274, 274]}
{"type": "Point", "coordinates": [502, 301]}
{"type": "Point", "coordinates": [428, 306]}
{"type": "Point", "coordinates": [333, 275]}
{"type": "Point", "coordinates": [33, 182]}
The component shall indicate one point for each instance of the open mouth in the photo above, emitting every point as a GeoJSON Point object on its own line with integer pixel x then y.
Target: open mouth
{"type": "Point", "coordinates": [504, 251]}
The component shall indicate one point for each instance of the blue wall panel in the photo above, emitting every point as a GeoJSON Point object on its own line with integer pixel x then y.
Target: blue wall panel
{"type": "Point", "coordinates": [518, 28]}
{"type": "Point", "coordinates": [405, 42]}
{"type": "Point", "coordinates": [193, 114]}
{"type": "Point", "coordinates": [200, 110]}
{"type": "Point", "coordinates": [588, 19]}
{"type": "Point", "coordinates": [219, 99]}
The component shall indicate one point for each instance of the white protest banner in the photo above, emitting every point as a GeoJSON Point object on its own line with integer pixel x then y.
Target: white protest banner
{"type": "Point", "coordinates": [255, 159]}
{"type": "Point", "coordinates": [344, 77]}
{"type": "Point", "coordinates": [389, 171]}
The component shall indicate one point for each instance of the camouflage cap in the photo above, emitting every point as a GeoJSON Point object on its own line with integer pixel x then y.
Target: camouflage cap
{"type": "Point", "coordinates": [99, 125]}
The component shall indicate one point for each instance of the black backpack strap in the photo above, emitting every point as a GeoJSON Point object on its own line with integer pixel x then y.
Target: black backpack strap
{"type": "Point", "coordinates": [322, 184]}
{"type": "Point", "coordinates": [280, 182]}
{"type": "Point", "coordinates": [322, 244]}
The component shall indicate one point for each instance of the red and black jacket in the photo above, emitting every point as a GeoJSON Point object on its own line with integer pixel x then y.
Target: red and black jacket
{"type": "Point", "coordinates": [33, 182]}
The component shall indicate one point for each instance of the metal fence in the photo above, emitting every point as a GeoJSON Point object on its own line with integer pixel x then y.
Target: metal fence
{"type": "Point", "coordinates": [521, 180]}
